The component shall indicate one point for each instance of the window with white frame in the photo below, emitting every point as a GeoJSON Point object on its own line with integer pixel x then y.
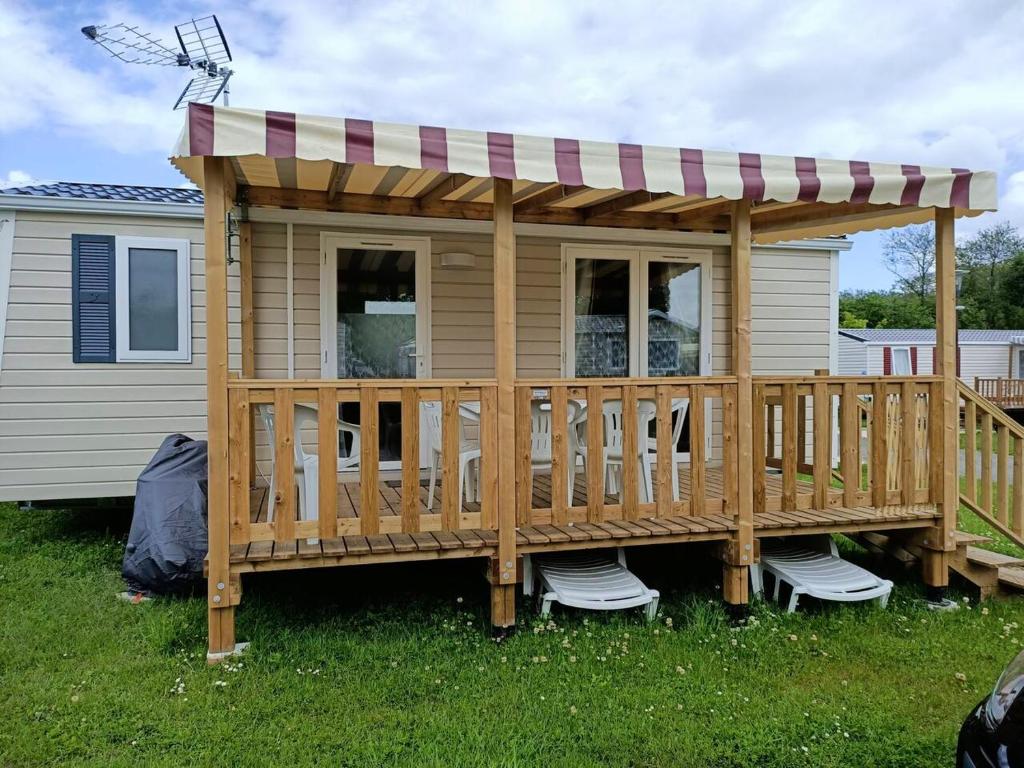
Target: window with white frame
{"type": "Point", "coordinates": [901, 365]}
{"type": "Point", "coordinates": [153, 300]}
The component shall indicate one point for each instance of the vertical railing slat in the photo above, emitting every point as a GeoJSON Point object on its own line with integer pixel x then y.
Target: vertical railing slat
{"type": "Point", "coordinates": [595, 454]}
{"type": "Point", "coordinates": [849, 436]}
{"type": "Point", "coordinates": [729, 468]}
{"type": "Point", "coordinates": [758, 437]}
{"type": "Point", "coordinates": [240, 450]}
{"type": "Point", "coordinates": [284, 464]}
{"type": "Point", "coordinates": [327, 461]}
{"type": "Point", "coordinates": [697, 452]}
{"type": "Point", "coordinates": [822, 444]}
{"type": "Point", "coordinates": [411, 459]}
{"type": "Point", "coordinates": [663, 432]}
{"type": "Point", "coordinates": [559, 445]}
{"type": "Point", "coordinates": [971, 449]}
{"type": "Point", "coordinates": [451, 503]}
{"type": "Point", "coordinates": [908, 425]}
{"type": "Point", "coordinates": [488, 458]}
{"type": "Point", "coordinates": [1018, 486]}
{"type": "Point", "coordinates": [1002, 473]}
{"type": "Point", "coordinates": [935, 438]}
{"type": "Point", "coordinates": [879, 445]}
{"type": "Point", "coordinates": [986, 462]}
{"type": "Point", "coordinates": [523, 454]}
{"type": "Point", "coordinates": [630, 448]}
{"type": "Point", "coordinates": [789, 457]}
{"type": "Point", "coordinates": [369, 467]}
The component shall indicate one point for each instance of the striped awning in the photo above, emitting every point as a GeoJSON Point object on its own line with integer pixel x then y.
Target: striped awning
{"type": "Point", "coordinates": [288, 150]}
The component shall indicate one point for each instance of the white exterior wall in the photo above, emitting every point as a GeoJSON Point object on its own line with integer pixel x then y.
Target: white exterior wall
{"type": "Point", "coordinates": [988, 361]}
{"type": "Point", "coordinates": [87, 430]}
{"type": "Point", "coordinates": [72, 430]}
{"type": "Point", "coordinates": [853, 357]}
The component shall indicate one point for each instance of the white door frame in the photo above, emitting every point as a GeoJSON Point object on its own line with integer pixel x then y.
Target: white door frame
{"type": "Point", "coordinates": [638, 258]}
{"type": "Point", "coordinates": [330, 242]}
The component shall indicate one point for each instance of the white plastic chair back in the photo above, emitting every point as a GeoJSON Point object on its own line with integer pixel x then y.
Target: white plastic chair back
{"type": "Point", "coordinates": [303, 415]}
{"type": "Point", "coordinates": [612, 412]}
{"type": "Point", "coordinates": [540, 429]}
{"type": "Point", "coordinates": [432, 414]}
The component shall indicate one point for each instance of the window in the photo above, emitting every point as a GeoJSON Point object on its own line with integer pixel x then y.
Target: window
{"type": "Point", "coordinates": [636, 311]}
{"type": "Point", "coordinates": [901, 365]}
{"type": "Point", "coordinates": [130, 299]}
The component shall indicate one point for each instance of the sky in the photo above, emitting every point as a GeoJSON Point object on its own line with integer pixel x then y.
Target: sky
{"type": "Point", "coordinates": [919, 82]}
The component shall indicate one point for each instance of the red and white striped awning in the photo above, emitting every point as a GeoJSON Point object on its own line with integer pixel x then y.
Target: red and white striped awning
{"type": "Point", "coordinates": [283, 149]}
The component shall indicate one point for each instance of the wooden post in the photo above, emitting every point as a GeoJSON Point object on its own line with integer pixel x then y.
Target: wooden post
{"type": "Point", "coordinates": [220, 611]}
{"type": "Point", "coordinates": [503, 606]}
{"type": "Point", "coordinates": [248, 326]}
{"type": "Point", "coordinates": [939, 540]}
{"type": "Point", "coordinates": [740, 551]}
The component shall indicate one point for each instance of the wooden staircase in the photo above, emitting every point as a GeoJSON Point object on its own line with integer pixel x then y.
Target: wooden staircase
{"type": "Point", "coordinates": [992, 573]}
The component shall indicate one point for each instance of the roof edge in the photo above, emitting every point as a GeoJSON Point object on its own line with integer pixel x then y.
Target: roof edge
{"type": "Point", "coordinates": [89, 205]}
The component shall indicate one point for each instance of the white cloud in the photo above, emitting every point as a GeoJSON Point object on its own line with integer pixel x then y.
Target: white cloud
{"type": "Point", "coordinates": [871, 80]}
{"type": "Point", "coordinates": [16, 178]}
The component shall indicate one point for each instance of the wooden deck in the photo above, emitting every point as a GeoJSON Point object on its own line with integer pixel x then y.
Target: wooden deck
{"type": "Point", "coordinates": [475, 542]}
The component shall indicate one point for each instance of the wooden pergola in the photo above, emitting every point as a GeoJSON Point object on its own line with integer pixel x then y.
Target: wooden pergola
{"type": "Point", "coordinates": [248, 159]}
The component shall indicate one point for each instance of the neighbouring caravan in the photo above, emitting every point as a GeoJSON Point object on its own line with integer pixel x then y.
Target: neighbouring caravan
{"type": "Point", "coordinates": [102, 316]}
{"type": "Point", "coordinates": [981, 354]}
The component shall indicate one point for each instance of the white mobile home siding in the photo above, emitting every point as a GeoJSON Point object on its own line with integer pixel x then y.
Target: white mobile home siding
{"type": "Point", "coordinates": [77, 431]}
{"type": "Point", "coordinates": [853, 357]}
{"type": "Point", "coordinates": [72, 430]}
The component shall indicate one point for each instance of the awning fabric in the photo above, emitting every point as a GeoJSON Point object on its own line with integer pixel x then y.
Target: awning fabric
{"type": "Point", "coordinates": [231, 132]}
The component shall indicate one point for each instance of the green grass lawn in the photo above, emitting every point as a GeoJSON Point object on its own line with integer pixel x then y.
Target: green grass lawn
{"type": "Point", "coordinates": [394, 666]}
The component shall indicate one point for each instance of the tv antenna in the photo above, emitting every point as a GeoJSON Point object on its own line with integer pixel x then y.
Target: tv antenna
{"type": "Point", "coordinates": [203, 49]}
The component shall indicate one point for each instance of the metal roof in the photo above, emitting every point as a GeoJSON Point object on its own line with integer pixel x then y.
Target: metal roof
{"type": "Point", "coordinates": [76, 190]}
{"type": "Point", "coordinates": [926, 336]}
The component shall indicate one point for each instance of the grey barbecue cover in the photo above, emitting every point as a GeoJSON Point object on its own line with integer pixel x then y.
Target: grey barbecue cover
{"type": "Point", "coordinates": [167, 542]}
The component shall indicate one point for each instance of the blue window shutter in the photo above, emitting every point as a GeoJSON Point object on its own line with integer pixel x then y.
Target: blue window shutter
{"type": "Point", "coordinates": [92, 298]}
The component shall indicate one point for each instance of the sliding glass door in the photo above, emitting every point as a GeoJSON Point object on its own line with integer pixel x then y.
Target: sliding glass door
{"type": "Point", "coordinates": [375, 320]}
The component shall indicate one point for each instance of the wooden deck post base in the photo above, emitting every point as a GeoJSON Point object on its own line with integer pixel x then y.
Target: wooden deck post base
{"type": "Point", "coordinates": [221, 631]}
{"type": "Point", "coordinates": [935, 568]}
{"type": "Point", "coordinates": [735, 584]}
{"type": "Point", "coordinates": [503, 608]}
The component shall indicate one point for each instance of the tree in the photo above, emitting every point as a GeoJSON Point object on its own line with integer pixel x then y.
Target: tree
{"type": "Point", "coordinates": [885, 309]}
{"type": "Point", "coordinates": [910, 255]}
{"type": "Point", "coordinates": [983, 256]}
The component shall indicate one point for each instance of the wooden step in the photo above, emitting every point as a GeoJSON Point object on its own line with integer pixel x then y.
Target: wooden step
{"type": "Point", "coordinates": [1012, 578]}
{"type": "Point", "coordinates": [964, 538]}
{"type": "Point", "coordinates": [992, 559]}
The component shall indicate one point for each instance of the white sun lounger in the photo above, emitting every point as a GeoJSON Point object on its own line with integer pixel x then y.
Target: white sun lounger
{"type": "Point", "coordinates": [584, 580]}
{"type": "Point", "coordinates": [820, 573]}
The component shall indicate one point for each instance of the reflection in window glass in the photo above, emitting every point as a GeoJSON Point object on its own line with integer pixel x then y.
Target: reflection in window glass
{"type": "Point", "coordinates": [602, 317]}
{"type": "Point", "coordinates": [376, 314]}
{"type": "Point", "coordinates": [673, 319]}
{"type": "Point", "coordinates": [152, 299]}
{"type": "Point", "coordinates": [901, 361]}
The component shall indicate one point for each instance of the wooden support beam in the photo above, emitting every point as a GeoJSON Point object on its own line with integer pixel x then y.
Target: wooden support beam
{"type": "Point", "coordinates": [546, 197]}
{"type": "Point", "coordinates": [339, 177]}
{"type": "Point", "coordinates": [446, 186]}
{"type": "Point", "coordinates": [218, 186]}
{"type": "Point", "coordinates": [736, 587]}
{"type": "Point", "coordinates": [248, 317]}
{"type": "Point", "coordinates": [502, 594]}
{"type": "Point", "coordinates": [623, 202]}
{"type": "Point", "coordinates": [940, 541]}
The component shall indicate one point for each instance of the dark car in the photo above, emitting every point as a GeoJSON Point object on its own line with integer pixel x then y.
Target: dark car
{"type": "Point", "coordinates": [992, 736]}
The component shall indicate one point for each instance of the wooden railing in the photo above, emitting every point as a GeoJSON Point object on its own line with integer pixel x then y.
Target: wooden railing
{"type": "Point", "coordinates": [375, 508]}
{"type": "Point", "coordinates": [616, 489]}
{"type": "Point", "coordinates": [991, 437]}
{"type": "Point", "coordinates": [888, 430]}
{"type": "Point", "coordinates": [1005, 393]}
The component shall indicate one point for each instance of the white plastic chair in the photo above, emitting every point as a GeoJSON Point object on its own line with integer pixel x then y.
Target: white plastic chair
{"type": "Point", "coordinates": [306, 464]}
{"type": "Point", "coordinates": [589, 581]}
{"type": "Point", "coordinates": [816, 569]}
{"type": "Point", "coordinates": [612, 453]}
{"type": "Point", "coordinates": [469, 452]}
{"type": "Point", "coordinates": [540, 438]}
